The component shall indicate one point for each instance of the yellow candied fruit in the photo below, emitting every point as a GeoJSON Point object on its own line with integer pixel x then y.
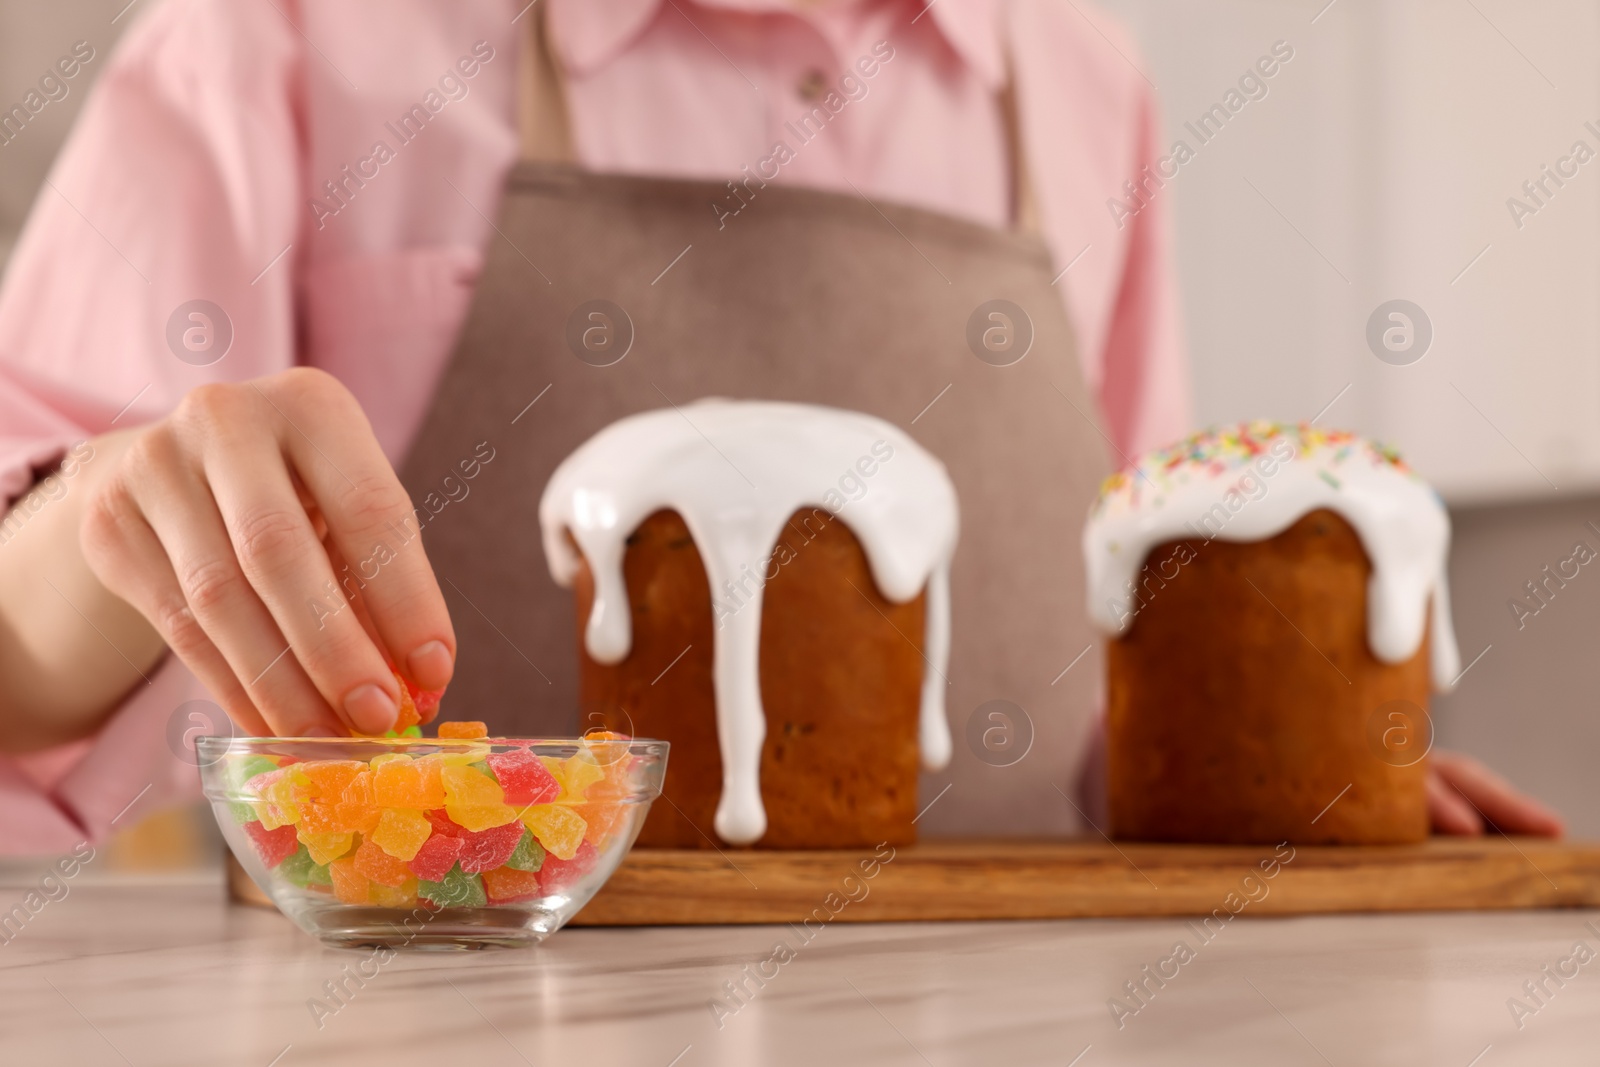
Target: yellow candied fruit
{"type": "Point", "coordinates": [402, 896]}
{"type": "Point", "coordinates": [559, 829]}
{"type": "Point", "coordinates": [474, 800]}
{"type": "Point", "coordinates": [457, 758]}
{"type": "Point", "coordinates": [281, 799]}
{"type": "Point", "coordinates": [575, 775]}
{"type": "Point", "coordinates": [325, 848]}
{"type": "Point", "coordinates": [401, 832]}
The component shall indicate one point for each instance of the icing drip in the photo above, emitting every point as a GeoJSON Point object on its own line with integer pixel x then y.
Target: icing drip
{"type": "Point", "coordinates": [1251, 482]}
{"type": "Point", "coordinates": [736, 471]}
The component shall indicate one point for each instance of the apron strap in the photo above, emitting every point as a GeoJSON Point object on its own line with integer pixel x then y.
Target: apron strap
{"type": "Point", "coordinates": [542, 118]}
{"type": "Point", "coordinates": [542, 97]}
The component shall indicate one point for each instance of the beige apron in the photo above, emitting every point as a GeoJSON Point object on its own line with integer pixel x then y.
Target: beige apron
{"type": "Point", "coordinates": [802, 296]}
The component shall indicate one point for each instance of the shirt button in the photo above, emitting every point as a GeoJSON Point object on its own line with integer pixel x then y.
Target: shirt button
{"type": "Point", "coordinates": [812, 85]}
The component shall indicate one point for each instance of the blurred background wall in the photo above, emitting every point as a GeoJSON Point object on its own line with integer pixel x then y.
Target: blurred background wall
{"type": "Point", "coordinates": [1377, 166]}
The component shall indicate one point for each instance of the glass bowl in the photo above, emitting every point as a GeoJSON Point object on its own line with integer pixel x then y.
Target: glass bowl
{"type": "Point", "coordinates": [430, 843]}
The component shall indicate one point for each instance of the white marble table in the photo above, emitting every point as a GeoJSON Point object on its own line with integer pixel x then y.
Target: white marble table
{"type": "Point", "coordinates": [167, 973]}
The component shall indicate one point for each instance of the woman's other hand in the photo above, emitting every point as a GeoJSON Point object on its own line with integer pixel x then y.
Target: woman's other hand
{"type": "Point", "coordinates": [1464, 796]}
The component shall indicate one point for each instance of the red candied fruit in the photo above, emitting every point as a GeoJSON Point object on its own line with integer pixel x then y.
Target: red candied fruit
{"type": "Point", "coordinates": [487, 849]}
{"type": "Point", "coordinates": [524, 777]}
{"type": "Point", "coordinates": [426, 701]}
{"type": "Point", "coordinates": [436, 856]}
{"type": "Point", "coordinates": [556, 875]}
{"type": "Point", "coordinates": [418, 706]}
{"type": "Point", "coordinates": [275, 846]}
{"type": "Point", "coordinates": [443, 825]}
{"type": "Point", "coordinates": [507, 885]}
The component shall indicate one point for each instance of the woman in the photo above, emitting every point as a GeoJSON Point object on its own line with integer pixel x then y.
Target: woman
{"type": "Point", "coordinates": [243, 298]}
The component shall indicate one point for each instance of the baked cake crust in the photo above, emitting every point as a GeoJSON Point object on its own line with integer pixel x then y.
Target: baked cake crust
{"type": "Point", "coordinates": [841, 672]}
{"type": "Point", "coordinates": [1240, 699]}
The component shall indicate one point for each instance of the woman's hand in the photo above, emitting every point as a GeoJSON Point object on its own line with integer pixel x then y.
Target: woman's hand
{"type": "Point", "coordinates": [228, 526]}
{"type": "Point", "coordinates": [1463, 794]}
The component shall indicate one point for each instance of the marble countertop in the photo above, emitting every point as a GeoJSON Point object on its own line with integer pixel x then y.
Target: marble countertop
{"type": "Point", "coordinates": [166, 972]}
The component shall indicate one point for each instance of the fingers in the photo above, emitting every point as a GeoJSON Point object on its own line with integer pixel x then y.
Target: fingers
{"type": "Point", "coordinates": [129, 560]}
{"type": "Point", "coordinates": [1448, 813]}
{"type": "Point", "coordinates": [178, 506]}
{"type": "Point", "coordinates": [370, 522]}
{"type": "Point", "coordinates": [287, 567]}
{"type": "Point", "coordinates": [1500, 802]}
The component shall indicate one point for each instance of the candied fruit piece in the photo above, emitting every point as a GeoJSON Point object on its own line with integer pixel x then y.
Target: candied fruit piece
{"type": "Point", "coordinates": [484, 818]}
{"type": "Point", "coordinates": [436, 856]}
{"type": "Point", "coordinates": [403, 895]}
{"type": "Point", "coordinates": [350, 886]}
{"type": "Point", "coordinates": [379, 866]}
{"type": "Point", "coordinates": [355, 810]}
{"type": "Point", "coordinates": [321, 817]}
{"type": "Point", "coordinates": [557, 875]}
{"type": "Point", "coordinates": [605, 818]}
{"type": "Point", "coordinates": [524, 778]}
{"type": "Point", "coordinates": [274, 844]}
{"type": "Point", "coordinates": [408, 715]}
{"type": "Point", "coordinates": [440, 821]}
{"type": "Point", "coordinates": [507, 885]}
{"type": "Point", "coordinates": [301, 870]}
{"type": "Point", "coordinates": [575, 773]}
{"type": "Point", "coordinates": [404, 783]}
{"type": "Point", "coordinates": [400, 832]}
{"type": "Point", "coordinates": [488, 849]}
{"type": "Point", "coordinates": [426, 700]}
{"type": "Point", "coordinates": [455, 890]}
{"type": "Point", "coordinates": [463, 731]}
{"type": "Point", "coordinates": [325, 848]}
{"type": "Point", "coordinates": [328, 779]}
{"type": "Point", "coordinates": [528, 855]}
{"type": "Point", "coordinates": [281, 792]}
{"type": "Point", "coordinates": [559, 829]}
{"type": "Point", "coordinates": [474, 800]}
{"type": "Point", "coordinates": [240, 770]}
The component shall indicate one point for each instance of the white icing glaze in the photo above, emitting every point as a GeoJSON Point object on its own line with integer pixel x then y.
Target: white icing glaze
{"type": "Point", "coordinates": [1253, 481]}
{"type": "Point", "coordinates": [736, 471]}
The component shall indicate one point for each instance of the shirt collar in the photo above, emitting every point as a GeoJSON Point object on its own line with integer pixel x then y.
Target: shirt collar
{"type": "Point", "coordinates": [586, 33]}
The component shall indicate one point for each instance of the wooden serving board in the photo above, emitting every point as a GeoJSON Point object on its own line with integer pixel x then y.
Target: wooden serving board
{"type": "Point", "coordinates": [998, 879]}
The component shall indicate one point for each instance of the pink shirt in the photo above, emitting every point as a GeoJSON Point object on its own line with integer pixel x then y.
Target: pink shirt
{"type": "Point", "coordinates": [198, 170]}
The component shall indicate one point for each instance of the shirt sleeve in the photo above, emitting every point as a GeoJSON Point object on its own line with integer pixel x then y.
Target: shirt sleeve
{"type": "Point", "coordinates": [1145, 391]}
{"type": "Point", "coordinates": [179, 185]}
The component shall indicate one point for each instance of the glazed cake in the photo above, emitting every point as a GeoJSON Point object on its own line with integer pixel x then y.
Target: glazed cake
{"type": "Point", "coordinates": [765, 586]}
{"type": "Point", "coordinates": [1277, 606]}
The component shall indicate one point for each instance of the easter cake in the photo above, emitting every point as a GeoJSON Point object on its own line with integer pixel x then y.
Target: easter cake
{"type": "Point", "coordinates": [1276, 603]}
{"type": "Point", "coordinates": [766, 587]}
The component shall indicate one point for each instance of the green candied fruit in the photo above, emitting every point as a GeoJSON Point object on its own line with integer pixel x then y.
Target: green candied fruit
{"type": "Point", "coordinates": [409, 731]}
{"type": "Point", "coordinates": [242, 770]}
{"type": "Point", "coordinates": [302, 871]}
{"type": "Point", "coordinates": [238, 772]}
{"type": "Point", "coordinates": [529, 854]}
{"type": "Point", "coordinates": [457, 890]}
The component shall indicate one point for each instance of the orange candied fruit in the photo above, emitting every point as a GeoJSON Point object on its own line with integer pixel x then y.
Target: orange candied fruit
{"type": "Point", "coordinates": [463, 731]}
{"type": "Point", "coordinates": [404, 783]}
{"type": "Point", "coordinates": [378, 866]}
{"type": "Point", "coordinates": [350, 886]}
